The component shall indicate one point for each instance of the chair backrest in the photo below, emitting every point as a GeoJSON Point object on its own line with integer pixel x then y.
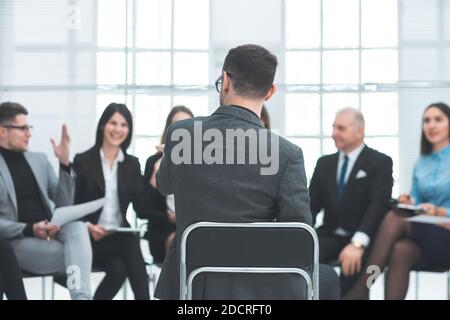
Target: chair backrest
{"type": "Point", "coordinates": [277, 247]}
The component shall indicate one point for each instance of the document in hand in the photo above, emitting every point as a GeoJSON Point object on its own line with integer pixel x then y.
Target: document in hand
{"type": "Point", "coordinates": [63, 215]}
{"type": "Point", "coordinates": [123, 229]}
{"type": "Point", "coordinates": [423, 218]}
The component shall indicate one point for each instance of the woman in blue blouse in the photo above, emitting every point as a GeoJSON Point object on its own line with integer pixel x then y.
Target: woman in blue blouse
{"type": "Point", "coordinates": [402, 245]}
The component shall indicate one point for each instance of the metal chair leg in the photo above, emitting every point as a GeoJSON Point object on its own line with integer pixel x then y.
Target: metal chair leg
{"type": "Point", "coordinates": [43, 287]}
{"type": "Point", "coordinates": [52, 284]}
{"type": "Point", "coordinates": [124, 290]}
{"type": "Point", "coordinates": [417, 285]}
{"type": "Point", "coordinates": [448, 284]}
{"type": "Point", "coordinates": [151, 281]}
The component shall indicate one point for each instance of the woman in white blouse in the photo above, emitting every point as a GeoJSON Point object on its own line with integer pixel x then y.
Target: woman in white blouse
{"type": "Point", "coordinates": [106, 170]}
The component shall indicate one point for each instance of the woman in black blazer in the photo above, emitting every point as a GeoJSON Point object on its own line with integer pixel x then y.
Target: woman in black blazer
{"type": "Point", "coordinates": [160, 212]}
{"type": "Point", "coordinates": [106, 170]}
{"type": "Point", "coordinates": [10, 278]}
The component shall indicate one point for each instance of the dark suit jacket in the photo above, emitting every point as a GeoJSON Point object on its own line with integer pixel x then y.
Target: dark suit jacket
{"type": "Point", "coordinates": [90, 183]}
{"type": "Point", "coordinates": [364, 202]}
{"type": "Point", "coordinates": [232, 193]}
{"type": "Point", "coordinates": [159, 226]}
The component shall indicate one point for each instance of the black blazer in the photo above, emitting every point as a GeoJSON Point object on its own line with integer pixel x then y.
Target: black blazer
{"type": "Point", "coordinates": [159, 226]}
{"type": "Point", "coordinates": [90, 183]}
{"type": "Point", "coordinates": [364, 202]}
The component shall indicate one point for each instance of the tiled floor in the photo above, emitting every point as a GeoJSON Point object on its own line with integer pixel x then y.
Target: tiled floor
{"type": "Point", "coordinates": [432, 287]}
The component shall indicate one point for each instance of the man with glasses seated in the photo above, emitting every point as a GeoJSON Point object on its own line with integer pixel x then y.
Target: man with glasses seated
{"type": "Point", "coordinates": [233, 190]}
{"type": "Point", "coordinates": [29, 193]}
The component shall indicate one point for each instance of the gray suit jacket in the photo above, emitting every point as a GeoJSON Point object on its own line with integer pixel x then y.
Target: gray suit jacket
{"type": "Point", "coordinates": [232, 193]}
{"type": "Point", "coordinates": [54, 192]}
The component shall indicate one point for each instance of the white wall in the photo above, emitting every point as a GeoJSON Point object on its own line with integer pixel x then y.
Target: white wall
{"type": "Point", "coordinates": [43, 24]}
{"type": "Point", "coordinates": [424, 56]}
{"type": "Point", "coordinates": [237, 22]}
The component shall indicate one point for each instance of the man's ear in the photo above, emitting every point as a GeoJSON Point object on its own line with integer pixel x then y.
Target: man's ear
{"type": "Point", "coordinates": [271, 92]}
{"type": "Point", "coordinates": [360, 131]}
{"type": "Point", "coordinates": [226, 82]}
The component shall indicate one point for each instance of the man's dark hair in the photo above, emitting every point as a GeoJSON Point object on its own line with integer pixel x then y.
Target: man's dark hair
{"type": "Point", "coordinates": [251, 69]}
{"type": "Point", "coordinates": [9, 110]}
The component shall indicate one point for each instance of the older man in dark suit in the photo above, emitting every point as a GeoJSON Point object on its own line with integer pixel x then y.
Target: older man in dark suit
{"type": "Point", "coordinates": [354, 187]}
{"type": "Point", "coordinates": [217, 179]}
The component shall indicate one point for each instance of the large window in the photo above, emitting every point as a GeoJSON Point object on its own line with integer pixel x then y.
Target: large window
{"type": "Point", "coordinates": [337, 54]}
{"type": "Point", "coordinates": [153, 51]}
{"type": "Point", "coordinates": [71, 58]}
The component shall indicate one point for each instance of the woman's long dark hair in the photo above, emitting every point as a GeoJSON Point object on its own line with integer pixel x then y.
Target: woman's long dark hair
{"type": "Point", "coordinates": [426, 147]}
{"type": "Point", "coordinates": [170, 116]}
{"type": "Point", "coordinates": [110, 110]}
{"type": "Point", "coordinates": [265, 119]}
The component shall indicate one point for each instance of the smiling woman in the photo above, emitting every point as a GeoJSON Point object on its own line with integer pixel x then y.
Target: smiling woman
{"type": "Point", "coordinates": [106, 170]}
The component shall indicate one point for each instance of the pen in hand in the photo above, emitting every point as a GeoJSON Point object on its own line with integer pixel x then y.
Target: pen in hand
{"type": "Point", "coordinates": [48, 237]}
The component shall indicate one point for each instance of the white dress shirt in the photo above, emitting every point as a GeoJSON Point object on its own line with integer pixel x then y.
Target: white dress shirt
{"type": "Point", "coordinates": [170, 202]}
{"type": "Point", "coordinates": [111, 216]}
{"type": "Point", "coordinates": [359, 236]}
{"type": "Point", "coordinates": [352, 157]}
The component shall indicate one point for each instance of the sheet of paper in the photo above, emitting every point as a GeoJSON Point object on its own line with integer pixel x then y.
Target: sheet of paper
{"type": "Point", "coordinates": [423, 218]}
{"type": "Point", "coordinates": [63, 215]}
{"type": "Point", "coordinates": [123, 229]}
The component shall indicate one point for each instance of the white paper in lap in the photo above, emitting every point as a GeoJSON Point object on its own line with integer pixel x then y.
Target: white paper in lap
{"type": "Point", "coordinates": [423, 218]}
{"type": "Point", "coordinates": [63, 215]}
{"type": "Point", "coordinates": [123, 229]}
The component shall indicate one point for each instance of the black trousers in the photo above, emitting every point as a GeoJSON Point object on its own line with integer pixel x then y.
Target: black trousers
{"type": "Point", "coordinates": [330, 246]}
{"type": "Point", "coordinates": [11, 282]}
{"type": "Point", "coordinates": [120, 256]}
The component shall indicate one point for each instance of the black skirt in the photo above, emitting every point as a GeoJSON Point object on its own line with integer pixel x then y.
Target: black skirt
{"type": "Point", "coordinates": [434, 242]}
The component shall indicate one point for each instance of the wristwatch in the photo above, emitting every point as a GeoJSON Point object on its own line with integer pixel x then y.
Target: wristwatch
{"type": "Point", "coordinates": [357, 244]}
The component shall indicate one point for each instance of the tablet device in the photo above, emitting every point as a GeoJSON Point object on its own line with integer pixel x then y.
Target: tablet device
{"type": "Point", "coordinates": [409, 209]}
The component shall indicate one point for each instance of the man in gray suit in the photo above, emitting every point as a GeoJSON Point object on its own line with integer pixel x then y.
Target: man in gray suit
{"type": "Point", "coordinates": [29, 193]}
{"type": "Point", "coordinates": [229, 185]}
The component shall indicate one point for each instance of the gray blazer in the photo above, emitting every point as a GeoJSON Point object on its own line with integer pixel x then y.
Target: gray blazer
{"type": "Point", "coordinates": [55, 193]}
{"type": "Point", "coordinates": [232, 193]}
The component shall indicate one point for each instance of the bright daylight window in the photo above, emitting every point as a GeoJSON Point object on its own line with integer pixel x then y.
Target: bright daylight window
{"type": "Point", "coordinates": [334, 49]}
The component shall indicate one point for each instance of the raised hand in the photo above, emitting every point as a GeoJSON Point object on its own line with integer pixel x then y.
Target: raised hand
{"type": "Point", "coordinates": [155, 171]}
{"type": "Point", "coordinates": [63, 148]}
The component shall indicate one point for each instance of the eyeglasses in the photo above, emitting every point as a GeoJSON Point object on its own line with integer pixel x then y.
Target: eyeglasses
{"type": "Point", "coordinates": [25, 128]}
{"type": "Point", "coordinates": [219, 80]}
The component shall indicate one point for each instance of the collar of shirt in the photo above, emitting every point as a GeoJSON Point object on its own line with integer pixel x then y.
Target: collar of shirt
{"type": "Point", "coordinates": [352, 156]}
{"type": "Point", "coordinates": [443, 153]}
{"type": "Point", "coordinates": [246, 109]}
{"type": "Point", "coordinates": [120, 156]}
{"type": "Point", "coordinates": [8, 152]}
